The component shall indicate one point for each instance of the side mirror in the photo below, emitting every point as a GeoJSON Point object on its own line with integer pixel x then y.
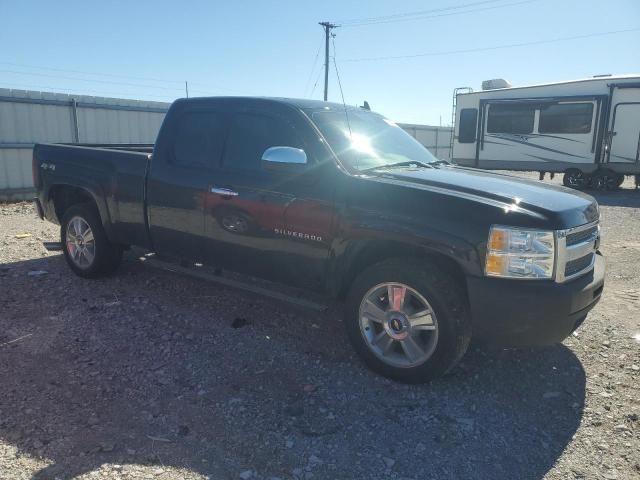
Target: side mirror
{"type": "Point", "coordinates": [283, 158]}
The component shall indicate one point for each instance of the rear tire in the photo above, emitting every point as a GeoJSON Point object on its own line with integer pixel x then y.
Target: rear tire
{"type": "Point", "coordinates": [606, 180]}
{"type": "Point", "coordinates": [422, 326]}
{"type": "Point", "coordinates": [88, 251]}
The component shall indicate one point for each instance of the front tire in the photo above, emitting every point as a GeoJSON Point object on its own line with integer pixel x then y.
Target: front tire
{"type": "Point", "coordinates": [575, 178]}
{"type": "Point", "coordinates": [88, 251]}
{"type": "Point", "coordinates": [408, 321]}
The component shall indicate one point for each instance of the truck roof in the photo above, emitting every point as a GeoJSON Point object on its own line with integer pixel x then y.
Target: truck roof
{"type": "Point", "coordinates": [304, 104]}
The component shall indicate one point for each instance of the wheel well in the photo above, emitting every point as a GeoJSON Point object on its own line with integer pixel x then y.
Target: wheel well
{"type": "Point", "coordinates": [65, 196]}
{"type": "Point", "coordinates": [377, 252]}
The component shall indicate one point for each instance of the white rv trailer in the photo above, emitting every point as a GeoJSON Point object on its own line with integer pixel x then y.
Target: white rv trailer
{"type": "Point", "coordinates": [588, 129]}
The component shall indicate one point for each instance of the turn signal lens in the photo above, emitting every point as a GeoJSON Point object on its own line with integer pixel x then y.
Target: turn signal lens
{"type": "Point", "coordinates": [495, 264]}
{"type": "Point", "coordinates": [498, 240]}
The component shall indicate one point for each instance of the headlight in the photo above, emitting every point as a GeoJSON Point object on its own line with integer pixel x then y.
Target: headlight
{"type": "Point", "coordinates": [520, 253]}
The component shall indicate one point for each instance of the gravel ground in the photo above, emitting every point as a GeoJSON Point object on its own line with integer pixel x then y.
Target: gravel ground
{"type": "Point", "coordinates": [150, 374]}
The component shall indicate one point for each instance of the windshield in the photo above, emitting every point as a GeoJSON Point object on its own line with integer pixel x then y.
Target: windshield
{"type": "Point", "coordinates": [369, 140]}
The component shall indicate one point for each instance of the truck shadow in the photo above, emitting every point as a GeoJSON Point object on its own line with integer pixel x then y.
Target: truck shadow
{"type": "Point", "coordinates": [156, 370]}
{"type": "Point", "coordinates": [626, 197]}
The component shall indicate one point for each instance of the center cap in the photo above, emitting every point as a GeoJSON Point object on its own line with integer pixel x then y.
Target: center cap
{"type": "Point", "coordinates": [397, 325]}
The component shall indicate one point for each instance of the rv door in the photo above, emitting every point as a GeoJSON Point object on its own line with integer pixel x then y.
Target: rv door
{"type": "Point", "coordinates": [545, 135]}
{"type": "Point", "coordinates": [624, 148]}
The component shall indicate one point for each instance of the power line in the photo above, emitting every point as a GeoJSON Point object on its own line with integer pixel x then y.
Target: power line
{"type": "Point", "coordinates": [110, 82]}
{"type": "Point", "coordinates": [335, 65]}
{"type": "Point", "coordinates": [313, 68]}
{"type": "Point", "coordinates": [416, 13]}
{"type": "Point", "coordinates": [496, 47]}
{"type": "Point", "coordinates": [316, 84]}
{"type": "Point", "coordinates": [79, 91]}
{"type": "Point", "coordinates": [111, 75]}
{"type": "Point", "coordinates": [433, 13]}
{"type": "Point", "coordinates": [82, 72]}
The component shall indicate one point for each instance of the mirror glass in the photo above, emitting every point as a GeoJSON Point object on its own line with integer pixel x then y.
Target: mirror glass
{"type": "Point", "coordinates": [289, 155]}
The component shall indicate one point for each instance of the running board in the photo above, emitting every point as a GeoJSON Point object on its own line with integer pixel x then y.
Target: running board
{"type": "Point", "coordinates": [247, 286]}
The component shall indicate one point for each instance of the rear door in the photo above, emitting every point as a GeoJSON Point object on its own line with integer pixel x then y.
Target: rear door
{"type": "Point", "coordinates": [189, 147]}
{"type": "Point", "coordinates": [625, 127]}
{"type": "Point", "coordinates": [269, 223]}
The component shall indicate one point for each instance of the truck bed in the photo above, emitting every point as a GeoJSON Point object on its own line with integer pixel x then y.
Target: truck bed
{"type": "Point", "coordinates": [114, 175]}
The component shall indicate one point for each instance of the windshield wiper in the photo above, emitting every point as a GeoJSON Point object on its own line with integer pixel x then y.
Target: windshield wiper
{"type": "Point", "coordinates": [408, 163]}
{"type": "Point", "coordinates": [440, 162]}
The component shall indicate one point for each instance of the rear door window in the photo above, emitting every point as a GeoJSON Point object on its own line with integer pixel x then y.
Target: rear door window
{"type": "Point", "coordinates": [199, 139]}
{"type": "Point", "coordinates": [250, 134]}
{"type": "Point", "coordinates": [510, 118]}
{"type": "Point", "coordinates": [566, 118]}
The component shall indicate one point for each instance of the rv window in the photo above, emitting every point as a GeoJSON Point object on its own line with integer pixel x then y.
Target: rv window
{"type": "Point", "coordinates": [467, 128]}
{"type": "Point", "coordinates": [510, 118]}
{"type": "Point", "coordinates": [566, 118]}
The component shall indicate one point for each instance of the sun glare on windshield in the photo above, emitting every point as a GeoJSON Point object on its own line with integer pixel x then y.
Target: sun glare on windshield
{"type": "Point", "coordinates": [361, 143]}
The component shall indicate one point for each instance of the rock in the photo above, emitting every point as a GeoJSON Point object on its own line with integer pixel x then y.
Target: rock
{"type": "Point", "coordinates": [289, 444]}
{"type": "Point", "coordinates": [107, 447]}
{"type": "Point", "coordinates": [611, 475]}
{"type": "Point", "coordinates": [389, 462]}
{"type": "Point", "coordinates": [621, 428]}
{"type": "Point", "coordinates": [246, 475]}
{"type": "Point", "coordinates": [606, 343]}
{"type": "Point", "coordinates": [238, 322]}
{"type": "Point", "coordinates": [37, 273]}
{"type": "Point", "coordinates": [315, 460]}
{"type": "Point", "coordinates": [635, 367]}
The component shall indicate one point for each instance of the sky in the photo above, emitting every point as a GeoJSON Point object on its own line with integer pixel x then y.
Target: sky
{"type": "Point", "coordinates": [148, 49]}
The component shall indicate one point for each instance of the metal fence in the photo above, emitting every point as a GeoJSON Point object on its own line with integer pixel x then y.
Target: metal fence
{"type": "Point", "coordinates": [29, 117]}
{"type": "Point", "coordinates": [436, 139]}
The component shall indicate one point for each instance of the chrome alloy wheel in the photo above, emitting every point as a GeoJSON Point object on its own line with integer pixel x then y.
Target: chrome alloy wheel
{"type": "Point", "coordinates": [398, 325]}
{"type": "Point", "coordinates": [81, 245]}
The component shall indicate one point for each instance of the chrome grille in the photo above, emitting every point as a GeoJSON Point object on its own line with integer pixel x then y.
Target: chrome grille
{"type": "Point", "coordinates": [574, 266]}
{"type": "Point", "coordinates": [576, 251]}
{"type": "Point", "coordinates": [581, 236]}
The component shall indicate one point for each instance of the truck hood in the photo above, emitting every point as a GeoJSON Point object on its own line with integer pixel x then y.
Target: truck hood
{"type": "Point", "coordinates": [553, 203]}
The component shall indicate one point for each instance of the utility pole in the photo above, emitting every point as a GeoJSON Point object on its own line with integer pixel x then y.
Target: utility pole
{"type": "Point", "coordinates": [328, 26]}
{"type": "Point", "coordinates": [186, 88]}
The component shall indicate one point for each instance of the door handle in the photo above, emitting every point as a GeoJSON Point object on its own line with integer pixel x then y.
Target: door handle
{"type": "Point", "coordinates": [225, 192]}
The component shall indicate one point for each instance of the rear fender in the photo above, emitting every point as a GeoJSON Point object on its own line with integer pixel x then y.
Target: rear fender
{"type": "Point", "coordinates": [92, 190]}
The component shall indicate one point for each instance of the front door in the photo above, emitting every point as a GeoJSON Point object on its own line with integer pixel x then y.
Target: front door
{"type": "Point", "coordinates": [266, 222]}
{"type": "Point", "coordinates": [625, 134]}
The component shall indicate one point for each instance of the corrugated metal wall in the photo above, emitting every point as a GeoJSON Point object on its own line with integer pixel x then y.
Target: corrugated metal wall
{"type": "Point", "coordinates": [436, 139]}
{"type": "Point", "coordinates": [28, 117]}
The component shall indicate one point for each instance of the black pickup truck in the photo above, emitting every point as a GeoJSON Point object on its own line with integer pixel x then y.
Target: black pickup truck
{"type": "Point", "coordinates": [341, 201]}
